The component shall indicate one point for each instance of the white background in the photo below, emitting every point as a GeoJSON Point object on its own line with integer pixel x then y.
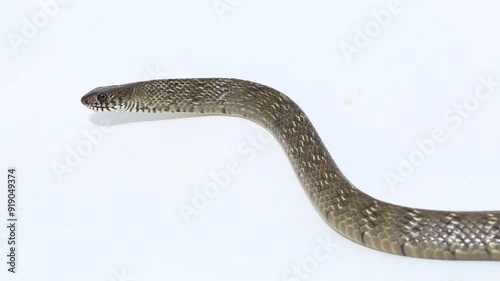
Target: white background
{"type": "Point", "coordinates": [116, 215]}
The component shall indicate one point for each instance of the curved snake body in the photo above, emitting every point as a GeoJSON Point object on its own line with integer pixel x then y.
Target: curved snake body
{"type": "Point", "coordinates": [352, 213]}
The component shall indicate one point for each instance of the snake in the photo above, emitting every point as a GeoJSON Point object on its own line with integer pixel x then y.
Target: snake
{"type": "Point", "coordinates": [383, 226]}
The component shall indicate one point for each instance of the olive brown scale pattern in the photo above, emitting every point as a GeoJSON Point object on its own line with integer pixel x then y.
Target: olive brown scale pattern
{"type": "Point", "coordinates": [376, 224]}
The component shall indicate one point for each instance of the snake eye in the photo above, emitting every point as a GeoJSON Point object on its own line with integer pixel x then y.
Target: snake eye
{"type": "Point", "coordinates": [102, 97]}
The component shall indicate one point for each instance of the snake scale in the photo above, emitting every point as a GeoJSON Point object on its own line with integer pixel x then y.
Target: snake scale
{"type": "Point", "coordinates": [352, 213]}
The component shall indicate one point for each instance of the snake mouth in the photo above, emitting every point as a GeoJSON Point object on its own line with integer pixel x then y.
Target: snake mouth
{"type": "Point", "coordinates": [96, 106]}
{"type": "Point", "coordinates": [102, 108]}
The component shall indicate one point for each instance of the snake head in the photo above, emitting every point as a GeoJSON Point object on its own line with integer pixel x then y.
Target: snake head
{"type": "Point", "coordinates": [110, 98]}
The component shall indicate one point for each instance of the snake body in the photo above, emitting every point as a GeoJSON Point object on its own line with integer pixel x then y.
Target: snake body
{"type": "Point", "coordinates": [352, 213]}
